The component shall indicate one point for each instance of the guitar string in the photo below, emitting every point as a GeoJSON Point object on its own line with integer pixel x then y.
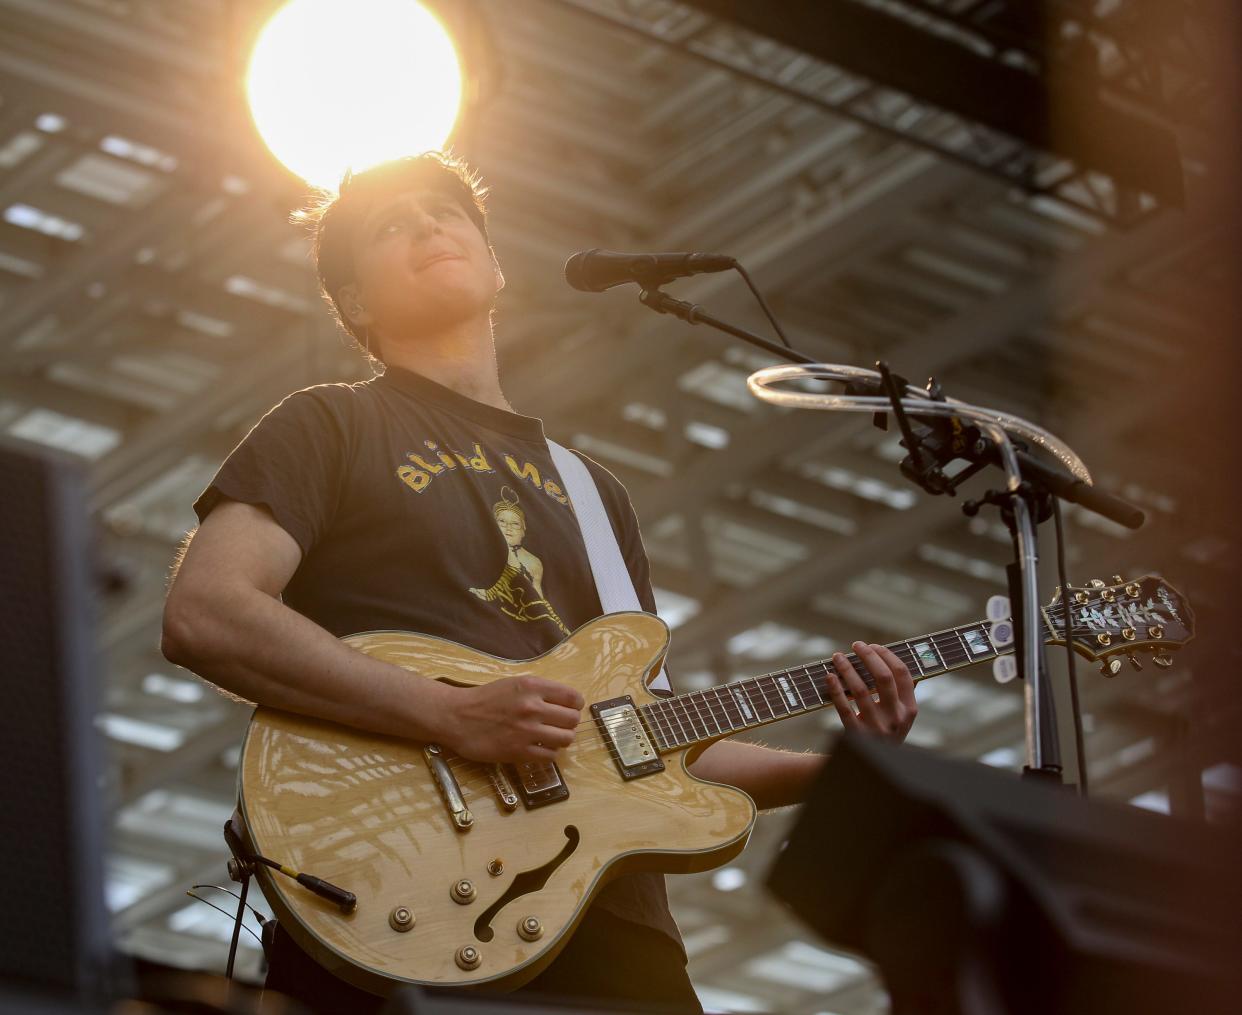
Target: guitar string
{"type": "Point", "coordinates": [950, 639]}
{"type": "Point", "coordinates": [950, 649]}
{"type": "Point", "coordinates": [949, 645]}
{"type": "Point", "coordinates": [953, 642]}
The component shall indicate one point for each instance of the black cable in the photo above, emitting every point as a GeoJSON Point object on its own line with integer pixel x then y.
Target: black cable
{"type": "Point", "coordinates": [220, 888]}
{"type": "Point", "coordinates": [1069, 649]}
{"type": "Point", "coordinates": [763, 303]}
{"type": "Point", "coordinates": [220, 909]}
{"type": "Point", "coordinates": [237, 926]}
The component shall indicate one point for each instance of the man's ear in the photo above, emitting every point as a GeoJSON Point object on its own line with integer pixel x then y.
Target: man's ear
{"type": "Point", "coordinates": [351, 306]}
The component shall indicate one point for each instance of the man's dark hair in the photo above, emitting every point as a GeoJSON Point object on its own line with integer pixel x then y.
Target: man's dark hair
{"type": "Point", "coordinates": [333, 219]}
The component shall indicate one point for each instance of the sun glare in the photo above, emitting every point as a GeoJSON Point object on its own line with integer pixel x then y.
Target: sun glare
{"type": "Point", "coordinates": [336, 85]}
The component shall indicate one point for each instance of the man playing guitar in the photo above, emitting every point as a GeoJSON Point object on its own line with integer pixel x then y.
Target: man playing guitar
{"type": "Point", "coordinates": [395, 504]}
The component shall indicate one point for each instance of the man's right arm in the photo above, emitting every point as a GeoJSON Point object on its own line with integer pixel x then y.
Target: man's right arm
{"type": "Point", "coordinates": [223, 620]}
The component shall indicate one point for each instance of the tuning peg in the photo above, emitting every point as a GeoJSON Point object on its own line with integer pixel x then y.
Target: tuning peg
{"type": "Point", "coordinates": [1117, 580]}
{"type": "Point", "coordinates": [1110, 667]}
{"type": "Point", "coordinates": [999, 608]}
{"type": "Point", "coordinates": [1004, 669]}
{"type": "Point", "coordinates": [1095, 583]}
{"type": "Point", "coordinates": [1134, 661]}
{"type": "Point", "coordinates": [1163, 660]}
{"type": "Point", "coordinates": [1000, 634]}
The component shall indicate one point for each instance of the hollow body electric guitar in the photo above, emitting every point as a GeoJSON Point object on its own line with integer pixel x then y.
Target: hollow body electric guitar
{"type": "Point", "coordinates": [455, 872]}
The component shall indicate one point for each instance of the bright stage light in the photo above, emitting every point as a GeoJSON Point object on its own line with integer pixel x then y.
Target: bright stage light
{"type": "Point", "coordinates": [335, 85]}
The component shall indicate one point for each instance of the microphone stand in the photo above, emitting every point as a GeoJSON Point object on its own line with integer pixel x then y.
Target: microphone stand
{"type": "Point", "coordinates": [1021, 502]}
{"type": "Point", "coordinates": [935, 432]}
{"type": "Point", "coordinates": [662, 303]}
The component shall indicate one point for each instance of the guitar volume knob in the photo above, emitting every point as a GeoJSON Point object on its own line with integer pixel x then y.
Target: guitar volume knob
{"type": "Point", "coordinates": [401, 919]}
{"type": "Point", "coordinates": [530, 928]}
{"type": "Point", "coordinates": [463, 891]}
{"type": "Point", "coordinates": [468, 957]}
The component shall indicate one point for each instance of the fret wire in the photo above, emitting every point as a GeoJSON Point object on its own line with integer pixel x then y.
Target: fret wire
{"type": "Point", "coordinates": [661, 710]}
{"type": "Point", "coordinates": [711, 713]}
{"type": "Point", "coordinates": [810, 678]}
{"type": "Point", "coordinates": [675, 711]}
{"type": "Point", "coordinates": [696, 715]}
{"type": "Point", "coordinates": [724, 705]}
{"type": "Point", "coordinates": [764, 695]}
{"type": "Point", "coordinates": [688, 716]}
{"type": "Point", "coordinates": [749, 698]}
{"type": "Point", "coordinates": [665, 714]}
{"type": "Point", "coordinates": [715, 707]}
{"type": "Point", "coordinates": [778, 696]}
{"type": "Point", "coordinates": [744, 691]}
{"type": "Point", "coordinates": [648, 715]}
{"type": "Point", "coordinates": [797, 679]}
{"type": "Point", "coordinates": [957, 648]}
{"type": "Point", "coordinates": [781, 684]}
{"type": "Point", "coordinates": [814, 686]}
{"type": "Point", "coordinates": [797, 690]}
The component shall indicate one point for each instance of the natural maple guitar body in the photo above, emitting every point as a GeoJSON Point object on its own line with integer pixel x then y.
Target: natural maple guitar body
{"type": "Point", "coordinates": [365, 813]}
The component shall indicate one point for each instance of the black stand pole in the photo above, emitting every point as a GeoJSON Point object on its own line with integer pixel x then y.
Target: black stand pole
{"type": "Point", "coordinates": [663, 303]}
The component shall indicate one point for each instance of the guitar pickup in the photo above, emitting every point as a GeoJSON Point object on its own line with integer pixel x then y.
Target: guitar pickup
{"type": "Point", "coordinates": [627, 738]}
{"type": "Point", "coordinates": [539, 782]}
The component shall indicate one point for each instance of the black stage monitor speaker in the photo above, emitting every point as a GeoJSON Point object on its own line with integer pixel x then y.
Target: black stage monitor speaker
{"type": "Point", "coordinates": [54, 934]}
{"type": "Point", "coordinates": [977, 892]}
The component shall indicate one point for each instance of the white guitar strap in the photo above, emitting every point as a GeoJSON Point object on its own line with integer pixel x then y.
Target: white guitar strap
{"type": "Point", "coordinates": [612, 577]}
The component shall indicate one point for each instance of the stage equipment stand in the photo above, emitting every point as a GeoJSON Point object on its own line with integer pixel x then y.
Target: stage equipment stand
{"type": "Point", "coordinates": [937, 430]}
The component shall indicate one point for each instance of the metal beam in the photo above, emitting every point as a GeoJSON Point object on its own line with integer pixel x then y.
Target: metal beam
{"type": "Point", "coordinates": [934, 68]}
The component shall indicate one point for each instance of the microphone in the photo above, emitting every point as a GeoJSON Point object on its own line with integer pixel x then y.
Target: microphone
{"type": "Point", "coordinates": [593, 271]}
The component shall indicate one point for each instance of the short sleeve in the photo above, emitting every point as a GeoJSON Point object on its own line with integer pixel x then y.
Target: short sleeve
{"type": "Point", "coordinates": [629, 536]}
{"type": "Point", "coordinates": [291, 462]}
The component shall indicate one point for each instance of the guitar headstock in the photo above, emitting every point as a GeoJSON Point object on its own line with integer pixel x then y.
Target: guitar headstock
{"type": "Point", "coordinates": [1110, 619]}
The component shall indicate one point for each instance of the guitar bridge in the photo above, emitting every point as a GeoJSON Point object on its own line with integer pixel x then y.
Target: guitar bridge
{"type": "Point", "coordinates": [628, 741]}
{"type": "Point", "coordinates": [450, 791]}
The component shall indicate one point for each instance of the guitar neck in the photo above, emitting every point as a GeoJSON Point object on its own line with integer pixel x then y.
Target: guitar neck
{"type": "Point", "coordinates": [700, 716]}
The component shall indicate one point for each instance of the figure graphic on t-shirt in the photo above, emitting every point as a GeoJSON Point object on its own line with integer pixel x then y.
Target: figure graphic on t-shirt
{"type": "Point", "coordinates": [519, 589]}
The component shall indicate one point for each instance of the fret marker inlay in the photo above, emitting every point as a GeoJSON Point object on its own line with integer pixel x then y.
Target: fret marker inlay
{"type": "Point", "coordinates": [977, 642]}
{"type": "Point", "coordinates": [743, 704]}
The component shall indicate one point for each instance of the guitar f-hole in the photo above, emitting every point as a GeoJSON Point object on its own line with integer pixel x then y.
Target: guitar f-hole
{"type": "Point", "coordinates": [526, 882]}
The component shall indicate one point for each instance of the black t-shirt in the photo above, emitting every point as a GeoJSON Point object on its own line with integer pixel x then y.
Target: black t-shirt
{"type": "Point", "coordinates": [417, 508]}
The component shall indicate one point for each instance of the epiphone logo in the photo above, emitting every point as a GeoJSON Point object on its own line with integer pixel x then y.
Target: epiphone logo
{"type": "Point", "coordinates": [1167, 600]}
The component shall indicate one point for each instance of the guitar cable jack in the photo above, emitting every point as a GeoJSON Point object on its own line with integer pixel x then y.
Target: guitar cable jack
{"type": "Point", "coordinates": [345, 901]}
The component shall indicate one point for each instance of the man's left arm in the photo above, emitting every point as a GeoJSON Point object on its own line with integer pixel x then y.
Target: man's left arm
{"type": "Point", "coordinates": [776, 778]}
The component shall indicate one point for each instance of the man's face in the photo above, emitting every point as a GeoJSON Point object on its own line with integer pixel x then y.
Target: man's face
{"type": "Point", "coordinates": [421, 264]}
